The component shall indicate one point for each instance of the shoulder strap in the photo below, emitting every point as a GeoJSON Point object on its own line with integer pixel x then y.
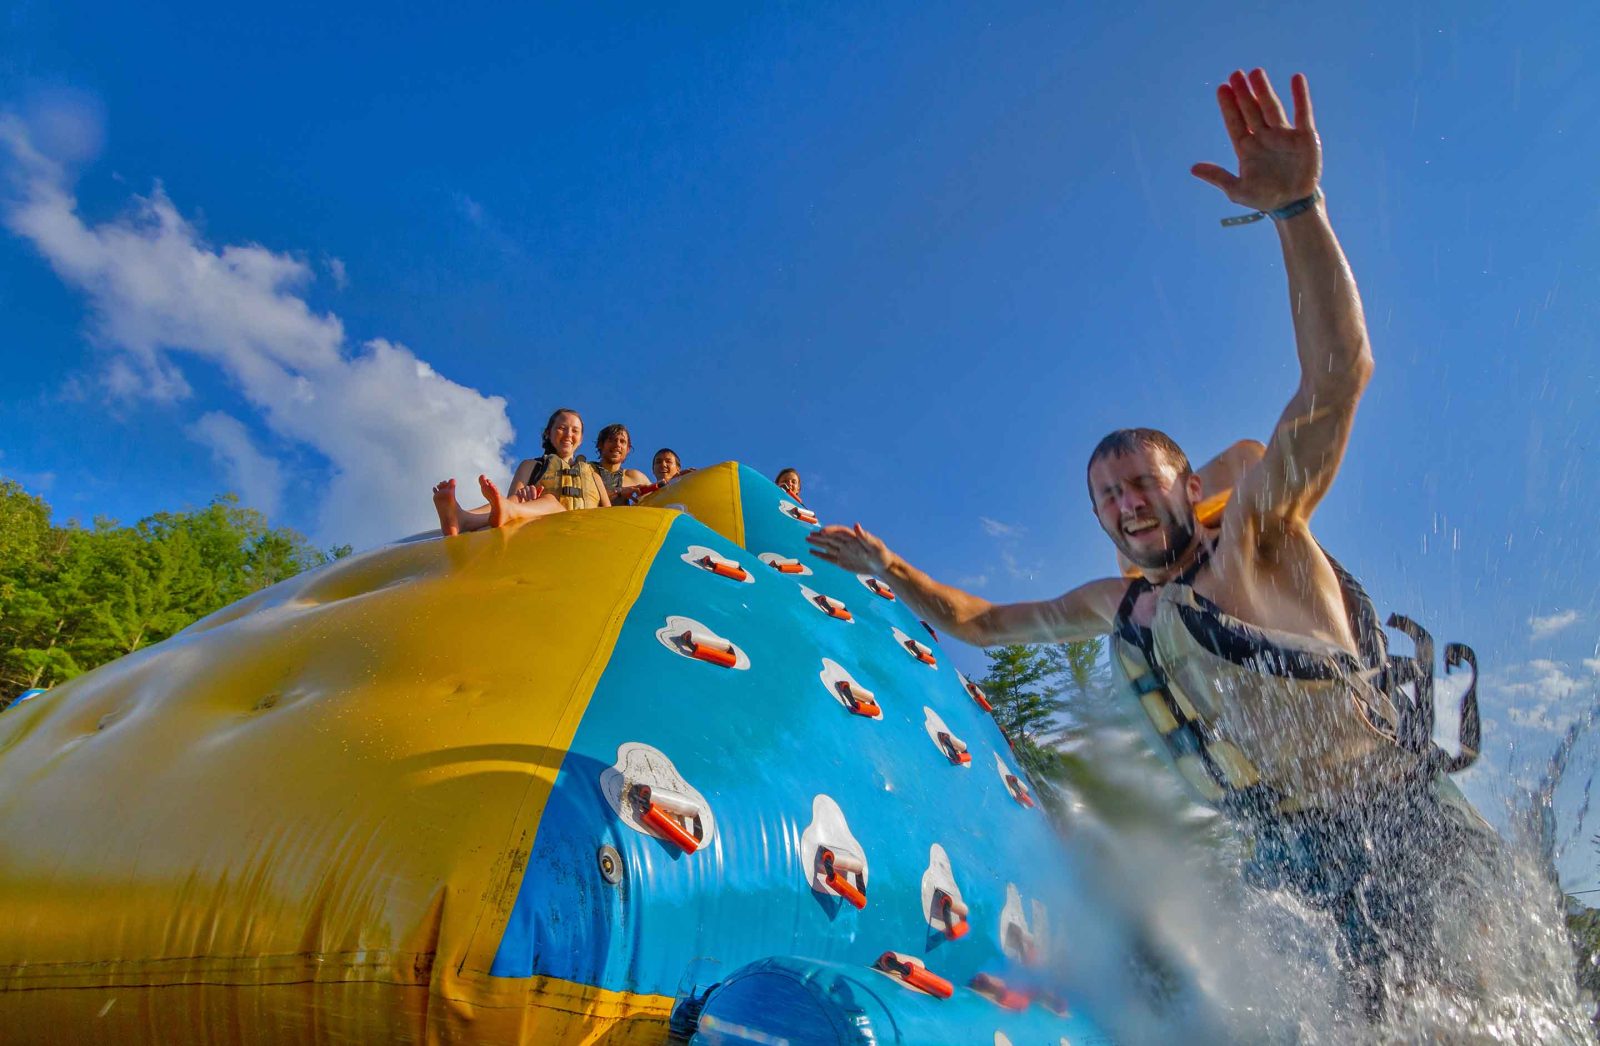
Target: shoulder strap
{"type": "Point", "coordinates": [540, 470]}
{"type": "Point", "coordinates": [1192, 571]}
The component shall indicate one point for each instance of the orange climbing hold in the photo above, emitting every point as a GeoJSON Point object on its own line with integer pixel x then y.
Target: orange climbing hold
{"type": "Point", "coordinates": [655, 813]}
{"type": "Point", "coordinates": [978, 695]}
{"type": "Point", "coordinates": [912, 972]}
{"type": "Point", "coordinates": [1019, 791]}
{"type": "Point", "coordinates": [859, 699]}
{"type": "Point", "coordinates": [787, 566]}
{"type": "Point", "coordinates": [705, 648]}
{"type": "Point", "coordinates": [878, 587]}
{"type": "Point", "coordinates": [954, 914]}
{"type": "Point", "coordinates": [997, 991]}
{"type": "Point", "coordinates": [954, 748]}
{"type": "Point", "coordinates": [836, 872]}
{"type": "Point", "coordinates": [833, 607]}
{"type": "Point", "coordinates": [921, 651]}
{"type": "Point", "coordinates": [724, 568]}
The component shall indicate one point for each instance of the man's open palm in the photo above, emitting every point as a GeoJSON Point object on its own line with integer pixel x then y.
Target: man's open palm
{"type": "Point", "coordinates": [1279, 162]}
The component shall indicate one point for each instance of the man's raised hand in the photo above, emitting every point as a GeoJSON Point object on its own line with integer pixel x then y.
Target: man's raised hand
{"type": "Point", "coordinates": [854, 548]}
{"type": "Point", "coordinates": [1279, 162]}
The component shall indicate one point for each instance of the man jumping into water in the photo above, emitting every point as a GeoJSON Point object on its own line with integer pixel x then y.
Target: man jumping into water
{"type": "Point", "coordinates": [1249, 649]}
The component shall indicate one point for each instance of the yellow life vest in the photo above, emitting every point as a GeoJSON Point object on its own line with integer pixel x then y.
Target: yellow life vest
{"type": "Point", "coordinates": [575, 485]}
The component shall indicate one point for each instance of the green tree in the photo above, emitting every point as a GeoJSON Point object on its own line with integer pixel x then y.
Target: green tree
{"type": "Point", "coordinates": [72, 598]}
{"type": "Point", "coordinates": [1037, 690]}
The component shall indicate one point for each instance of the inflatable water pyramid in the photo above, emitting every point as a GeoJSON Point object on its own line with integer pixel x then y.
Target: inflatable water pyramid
{"type": "Point", "coordinates": [612, 776]}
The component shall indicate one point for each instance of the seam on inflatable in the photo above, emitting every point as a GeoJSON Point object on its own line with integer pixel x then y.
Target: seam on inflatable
{"type": "Point", "coordinates": [478, 957]}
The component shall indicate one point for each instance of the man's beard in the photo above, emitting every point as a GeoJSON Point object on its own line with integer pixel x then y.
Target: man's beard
{"type": "Point", "coordinates": [1179, 534]}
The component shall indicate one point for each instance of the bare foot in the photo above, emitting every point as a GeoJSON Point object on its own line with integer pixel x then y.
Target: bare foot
{"type": "Point", "coordinates": [497, 505]}
{"type": "Point", "coordinates": [444, 502]}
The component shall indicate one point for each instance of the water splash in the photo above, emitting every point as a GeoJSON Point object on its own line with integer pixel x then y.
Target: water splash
{"type": "Point", "coordinates": [1217, 960]}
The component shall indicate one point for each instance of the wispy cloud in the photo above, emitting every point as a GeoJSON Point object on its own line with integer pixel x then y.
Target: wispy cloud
{"type": "Point", "coordinates": [1548, 625]}
{"type": "Point", "coordinates": [336, 272]}
{"type": "Point", "coordinates": [386, 422]}
{"type": "Point", "coordinates": [1540, 693]}
{"type": "Point", "coordinates": [1007, 537]}
{"type": "Point", "coordinates": [996, 529]}
{"type": "Point", "coordinates": [469, 209]}
{"type": "Point", "coordinates": [256, 476]}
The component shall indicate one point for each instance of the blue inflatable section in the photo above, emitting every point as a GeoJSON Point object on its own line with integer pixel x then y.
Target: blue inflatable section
{"type": "Point", "coordinates": [802, 1003]}
{"type": "Point", "coordinates": [760, 743]}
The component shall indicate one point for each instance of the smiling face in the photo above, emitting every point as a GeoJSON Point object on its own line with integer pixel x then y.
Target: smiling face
{"type": "Point", "coordinates": [664, 466]}
{"type": "Point", "coordinates": [565, 434]}
{"type": "Point", "coordinates": [614, 449]}
{"type": "Point", "coordinates": [1144, 505]}
{"type": "Point", "coordinates": [789, 480]}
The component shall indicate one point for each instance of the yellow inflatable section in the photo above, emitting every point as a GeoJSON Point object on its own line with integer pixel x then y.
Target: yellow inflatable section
{"type": "Point", "coordinates": [198, 844]}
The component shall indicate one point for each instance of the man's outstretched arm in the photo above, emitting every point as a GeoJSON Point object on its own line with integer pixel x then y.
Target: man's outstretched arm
{"type": "Point", "coordinates": [1084, 612]}
{"type": "Point", "coordinates": [1280, 163]}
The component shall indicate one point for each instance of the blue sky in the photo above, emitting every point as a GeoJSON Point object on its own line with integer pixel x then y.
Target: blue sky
{"type": "Point", "coordinates": [927, 254]}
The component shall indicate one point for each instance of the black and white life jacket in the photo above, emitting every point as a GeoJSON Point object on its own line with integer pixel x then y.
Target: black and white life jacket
{"type": "Point", "coordinates": [1263, 722]}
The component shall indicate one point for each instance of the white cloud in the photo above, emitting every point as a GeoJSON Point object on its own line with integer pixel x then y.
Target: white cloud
{"type": "Point", "coordinates": [1006, 537]}
{"type": "Point", "coordinates": [470, 209]}
{"type": "Point", "coordinates": [1541, 693]}
{"type": "Point", "coordinates": [996, 529]}
{"type": "Point", "coordinates": [388, 424]}
{"type": "Point", "coordinates": [1550, 624]}
{"type": "Point", "coordinates": [336, 270]}
{"type": "Point", "coordinates": [1592, 664]}
{"type": "Point", "coordinates": [256, 476]}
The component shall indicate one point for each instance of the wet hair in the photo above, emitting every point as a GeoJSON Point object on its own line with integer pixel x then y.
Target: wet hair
{"type": "Point", "coordinates": [609, 431]}
{"type": "Point", "coordinates": [545, 436]}
{"type": "Point", "coordinates": [1131, 441]}
{"type": "Point", "coordinates": [786, 472]}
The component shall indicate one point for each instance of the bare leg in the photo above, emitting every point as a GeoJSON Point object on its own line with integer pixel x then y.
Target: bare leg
{"type": "Point", "coordinates": [444, 502]}
{"type": "Point", "coordinates": [518, 508]}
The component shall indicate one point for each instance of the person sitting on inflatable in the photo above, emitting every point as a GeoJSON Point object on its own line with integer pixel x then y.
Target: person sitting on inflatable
{"type": "Point", "coordinates": [622, 485]}
{"type": "Point", "coordinates": [789, 480]}
{"type": "Point", "coordinates": [665, 466]}
{"type": "Point", "coordinates": [1257, 659]}
{"type": "Point", "coordinates": [560, 480]}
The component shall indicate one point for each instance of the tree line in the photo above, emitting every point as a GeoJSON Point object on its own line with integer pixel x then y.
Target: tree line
{"type": "Point", "coordinates": [73, 597]}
